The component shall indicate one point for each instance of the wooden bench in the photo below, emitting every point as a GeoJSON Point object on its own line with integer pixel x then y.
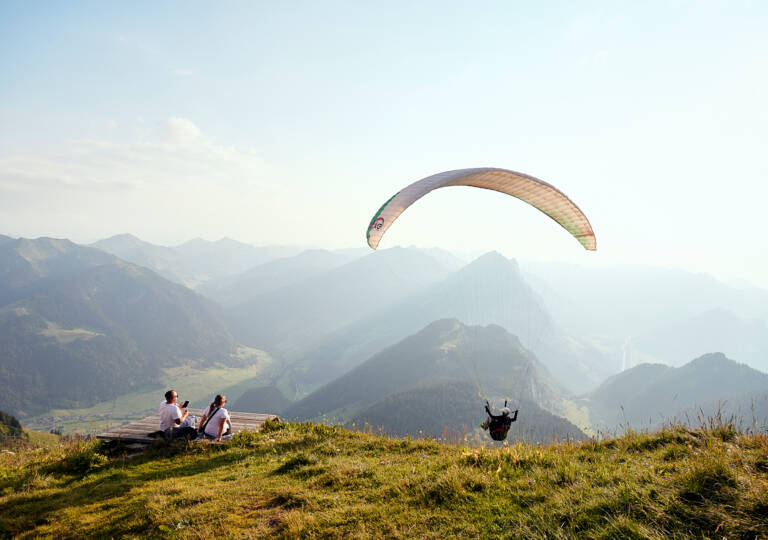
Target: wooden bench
{"type": "Point", "coordinates": [136, 432]}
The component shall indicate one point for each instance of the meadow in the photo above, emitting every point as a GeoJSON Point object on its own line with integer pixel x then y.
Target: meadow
{"type": "Point", "coordinates": [317, 481]}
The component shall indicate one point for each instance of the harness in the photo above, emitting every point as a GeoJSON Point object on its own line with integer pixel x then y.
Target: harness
{"type": "Point", "coordinates": [499, 426]}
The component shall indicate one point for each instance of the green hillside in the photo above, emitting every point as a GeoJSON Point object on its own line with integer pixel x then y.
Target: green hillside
{"type": "Point", "coordinates": [113, 325]}
{"type": "Point", "coordinates": [316, 481]}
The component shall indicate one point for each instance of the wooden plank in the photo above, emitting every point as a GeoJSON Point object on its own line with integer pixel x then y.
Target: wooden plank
{"type": "Point", "coordinates": [137, 431]}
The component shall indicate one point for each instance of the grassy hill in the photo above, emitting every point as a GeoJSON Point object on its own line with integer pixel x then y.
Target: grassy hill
{"type": "Point", "coordinates": [306, 480]}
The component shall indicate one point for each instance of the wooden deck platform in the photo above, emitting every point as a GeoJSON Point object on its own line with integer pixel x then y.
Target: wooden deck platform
{"type": "Point", "coordinates": [137, 431]}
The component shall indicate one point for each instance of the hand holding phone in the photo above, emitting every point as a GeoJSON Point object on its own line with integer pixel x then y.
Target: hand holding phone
{"type": "Point", "coordinates": [184, 406]}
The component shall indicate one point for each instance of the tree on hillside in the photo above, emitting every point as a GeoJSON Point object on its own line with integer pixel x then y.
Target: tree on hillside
{"type": "Point", "coordinates": [10, 428]}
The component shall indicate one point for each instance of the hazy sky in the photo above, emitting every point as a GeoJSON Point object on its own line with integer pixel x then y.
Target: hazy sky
{"type": "Point", "coordinates": [292, 122]}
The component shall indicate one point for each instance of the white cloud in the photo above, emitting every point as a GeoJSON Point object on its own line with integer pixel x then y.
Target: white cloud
{"type": "Point", "coordinates": [177, 183]}
{"type": "Point", "coordinates": [180, 131]}
{"type": "Point", "coordinates": [179, 156]}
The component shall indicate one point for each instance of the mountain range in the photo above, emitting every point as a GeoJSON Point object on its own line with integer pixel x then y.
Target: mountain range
{"type": "Point", "coordinates": [80, 325]}
{"type": "Point", "coordinates": [489, 290]}
{"type": "Point", "coordinates": [194, 262]}
{"type": "Point", "coordinates": [275, 274]}
{"type": "Point", "coordinates": [642, 314]}
{"type": "Point", "coordinates": [291, 320]}
{"type": "Point", "coordinates": [652, 394]}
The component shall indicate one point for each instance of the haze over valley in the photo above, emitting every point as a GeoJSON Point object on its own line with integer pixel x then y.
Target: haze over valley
{"type": "Point", "coordinates": [406, 340]}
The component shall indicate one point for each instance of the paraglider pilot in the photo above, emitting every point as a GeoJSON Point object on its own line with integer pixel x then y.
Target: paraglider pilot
{"type": "Point", "coordinates": [498, 425]}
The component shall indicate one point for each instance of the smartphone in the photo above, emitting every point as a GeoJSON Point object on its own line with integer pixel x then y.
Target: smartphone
{"type": "Point", "coordinates": [185, 404]}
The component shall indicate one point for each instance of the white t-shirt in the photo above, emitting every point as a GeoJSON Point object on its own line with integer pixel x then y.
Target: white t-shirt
{"type": "Point", "coordinates": [212, 428]}
{"type": "Point", "coordinates": [169, 413]}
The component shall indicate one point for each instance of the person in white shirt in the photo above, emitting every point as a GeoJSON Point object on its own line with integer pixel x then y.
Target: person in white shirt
{"type": "Point", "coordinates": [172, 416]}
{"type": "Point", "coordinates": [216, 422]}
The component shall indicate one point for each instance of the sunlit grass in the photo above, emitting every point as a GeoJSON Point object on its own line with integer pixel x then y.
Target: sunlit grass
{"type": "Point", "coordinates": [307, 480]}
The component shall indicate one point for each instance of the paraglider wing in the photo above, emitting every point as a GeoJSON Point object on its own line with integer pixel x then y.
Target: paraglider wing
{"type": "Point", "coordinates": [535, 192]}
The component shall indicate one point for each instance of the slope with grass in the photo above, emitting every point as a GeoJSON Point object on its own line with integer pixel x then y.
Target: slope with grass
{"type": "Point", "coordinates": [306, 480]}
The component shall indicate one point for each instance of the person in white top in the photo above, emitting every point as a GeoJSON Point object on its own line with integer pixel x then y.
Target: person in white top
{"type": "Point", "coordinates": [216, 422]}
{"type": "Point", "coordinates": [172, 416]}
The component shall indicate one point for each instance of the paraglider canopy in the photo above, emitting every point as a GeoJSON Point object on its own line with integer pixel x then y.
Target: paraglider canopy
{"type": "Point", "coordinates": [535, 192]}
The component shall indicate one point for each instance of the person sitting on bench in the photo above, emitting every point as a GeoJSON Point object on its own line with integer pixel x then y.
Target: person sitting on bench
{"type": "Point", "coordinates": [215, 419]}
{"type": "Point", "coordinates": [173, 419]}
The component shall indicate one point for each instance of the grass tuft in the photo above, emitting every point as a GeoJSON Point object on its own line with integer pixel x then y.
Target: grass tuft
{"type": "Point", "coordinates": [708, 481]}
{"type": "Point", "coordinates": [296, 462]}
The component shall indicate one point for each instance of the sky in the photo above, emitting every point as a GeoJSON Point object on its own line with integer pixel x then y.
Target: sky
{"type": "Point", "coordinates": [292, 122]}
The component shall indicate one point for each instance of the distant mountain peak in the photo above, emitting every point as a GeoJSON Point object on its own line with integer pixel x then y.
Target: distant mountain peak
{"type": "Point", "coordinates": [711, 360]}
{"type": "Point", "coordinates": [40, 249]}
{"type": "Point", "coordinates": [125, 236]}
{"type": "Point", "coordinates": [227, 241]}
{"type": "Point", "coordinates": [446, 324]}
{"type": "Point", "coordinates": [197, 241]}
{"type": "Point", "coordinates": [493, 261]}
{"type": "Point", "coordinates": [121, 241]}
